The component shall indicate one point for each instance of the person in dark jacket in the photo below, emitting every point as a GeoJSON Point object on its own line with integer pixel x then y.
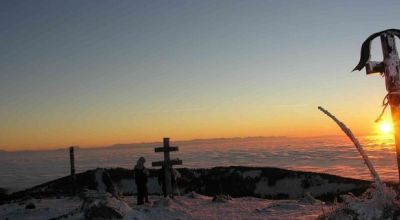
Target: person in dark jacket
{"type": "Point", "coordinates": [141, 174]}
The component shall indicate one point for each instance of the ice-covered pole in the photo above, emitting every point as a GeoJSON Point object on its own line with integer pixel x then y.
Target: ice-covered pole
{"type": "Point", "coordinates": [392, 74]}
{"type": "Point", "coordinates": [359, 147]}
{"type": "Point", "coordinates": [390, 69]}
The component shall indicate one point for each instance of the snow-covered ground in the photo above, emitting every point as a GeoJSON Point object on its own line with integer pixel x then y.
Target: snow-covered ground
{"type": "Point", "coordinates": [44, 208]}
{"type": "Point", "coordinates": [190, 206]}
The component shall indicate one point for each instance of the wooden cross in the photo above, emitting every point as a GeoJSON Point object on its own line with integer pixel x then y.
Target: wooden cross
{"type": "Point", "coordinates": [167, 163]}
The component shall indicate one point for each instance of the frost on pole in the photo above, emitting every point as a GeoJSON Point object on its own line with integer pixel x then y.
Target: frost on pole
{"type": "Point", "coordinates": [390, 69]}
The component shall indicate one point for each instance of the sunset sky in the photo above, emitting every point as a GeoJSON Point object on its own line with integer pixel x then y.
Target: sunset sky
{"type": "Point", "coordinates": [95, 73]}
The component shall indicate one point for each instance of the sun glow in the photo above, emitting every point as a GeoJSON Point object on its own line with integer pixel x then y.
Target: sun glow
{"type": "Point", "coordinates": [386, 127]}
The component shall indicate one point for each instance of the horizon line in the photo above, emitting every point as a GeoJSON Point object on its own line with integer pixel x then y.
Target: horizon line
{"type": "Point", "coordinates": [178, 140]}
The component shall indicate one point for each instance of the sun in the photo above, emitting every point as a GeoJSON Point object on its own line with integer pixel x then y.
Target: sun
{"type": "Point", "coordinates": [385, 127]}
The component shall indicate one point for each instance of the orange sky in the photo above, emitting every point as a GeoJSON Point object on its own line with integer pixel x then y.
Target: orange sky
{"type": "Point", "coordinates": [96, 74]}
{"type": "Point", "coordinates": [279, 121]}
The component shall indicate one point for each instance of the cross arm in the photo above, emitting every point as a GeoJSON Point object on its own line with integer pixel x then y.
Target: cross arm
{"type": "Point", "coordinates": [171, 162]}
{"type": "Point", "coordinates": [365, 55]}
{"type": "Point", "coordinates": [164, 149]}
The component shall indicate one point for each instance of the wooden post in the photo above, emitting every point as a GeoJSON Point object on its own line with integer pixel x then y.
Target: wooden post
{"type": "Point", "coordinates": [392, 74]}
{"type": "Point", "coordinates": [167, 163]}
{"type": "Point", "coordinates": [72, 163]}
{"type": "Point", "coordinates": [390, 69]}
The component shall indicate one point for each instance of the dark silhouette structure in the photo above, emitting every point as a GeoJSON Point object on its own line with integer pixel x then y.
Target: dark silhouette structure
{"type": "Point", "coordinates": [167, 163]}
{"type": "Point", "coordinates": [390, 69]}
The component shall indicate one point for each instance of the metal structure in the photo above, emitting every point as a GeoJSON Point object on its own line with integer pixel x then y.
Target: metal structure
{"type": "Point", "coordinates": [167, 163]}
{"type": "Point", "coordinates": [390, 69]}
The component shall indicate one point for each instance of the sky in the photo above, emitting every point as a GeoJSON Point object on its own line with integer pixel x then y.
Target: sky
{"type": "Point", "coordinates": [95, 73]}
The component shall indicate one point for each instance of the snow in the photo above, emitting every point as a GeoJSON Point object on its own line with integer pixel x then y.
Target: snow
{"type": "Point", "coordinates": [191, 206]}
{"type": "Point", "coordinates": [375, 203]}
{"type": "Point", "coordinates": [195, 206]}
{"type": "Point", "coordinates": [99, 180]}
{"type": "Point", "coordinates": [294, 187]}
{"type": "Point", "coordinates": [45, 209]}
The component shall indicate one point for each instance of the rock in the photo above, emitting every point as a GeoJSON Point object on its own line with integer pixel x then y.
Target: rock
{"type": "Point", "coordinates": [101, 211]}
{"type": "Point", "coordinates": [221, 198]}
{"type": "Point", "coordinates": [309, 199]}
{"type": "Point", "coordinates": [97, 205]}
{"type": "Point", "coordinates": [30, 206]}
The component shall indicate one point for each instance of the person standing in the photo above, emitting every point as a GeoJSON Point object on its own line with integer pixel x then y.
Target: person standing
{"type": "Point", "coordinates": [141, 176]}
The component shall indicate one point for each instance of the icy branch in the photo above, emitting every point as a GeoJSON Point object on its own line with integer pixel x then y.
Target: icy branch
{"type": "Point", "coordinates": [360, 149]}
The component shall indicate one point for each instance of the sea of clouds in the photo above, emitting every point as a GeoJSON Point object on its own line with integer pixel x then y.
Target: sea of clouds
{"type": "Point", "coordinates": [333, 154]}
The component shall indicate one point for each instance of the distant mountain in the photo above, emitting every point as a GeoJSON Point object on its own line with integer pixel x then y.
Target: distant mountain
{"type": "Point", "coordinates": [173, 142]}
{"type": "Point", "coordinates": [158, 144]}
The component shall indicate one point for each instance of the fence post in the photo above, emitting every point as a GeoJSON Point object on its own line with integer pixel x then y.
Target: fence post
{"type": "Point", "coordinates": [72, 163]}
